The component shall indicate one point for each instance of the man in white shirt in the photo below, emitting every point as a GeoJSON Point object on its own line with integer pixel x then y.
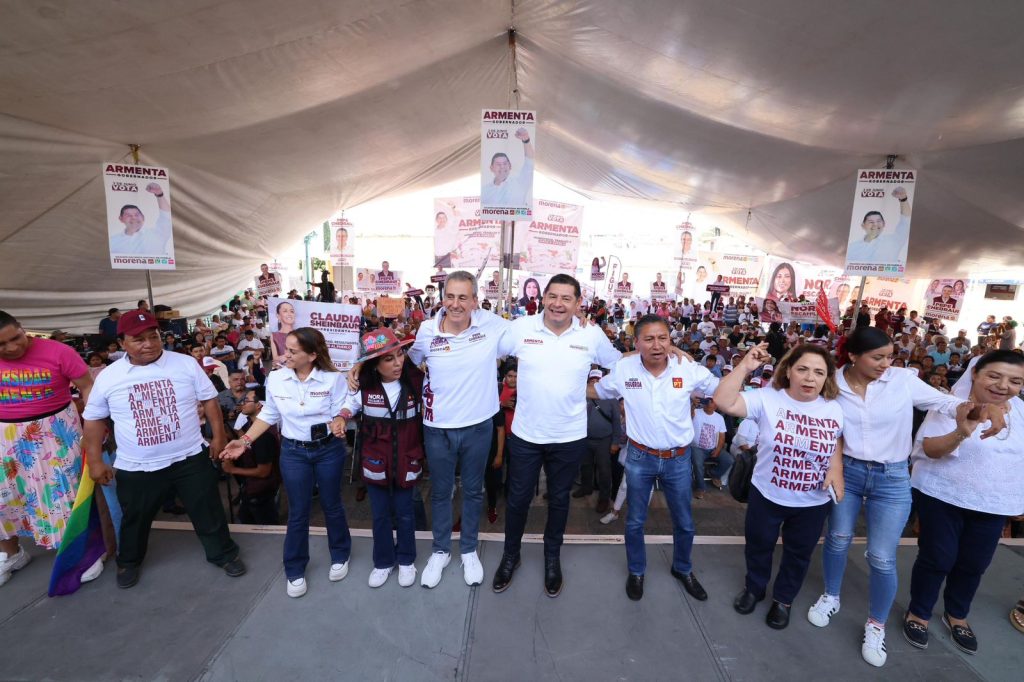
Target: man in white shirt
{"type": "Point", "coordinates": [247, 346]}
{"type": "Point", "coordinates": [709, 443]}
{"type": "Point", "coordinates": [707, 327]}
{"type": "Point", "coordinates": [555, 356]}
{"type": "Point", "coordinates": [505, 189]}
{"type": "Point", "coordinates": [659, 428]}
{"type": "Point", "coordinates": [876, 245]}
{"type": "Point", "coordinates": [138, 240]}
{"type": "Point", "coordinates": [153, 397]}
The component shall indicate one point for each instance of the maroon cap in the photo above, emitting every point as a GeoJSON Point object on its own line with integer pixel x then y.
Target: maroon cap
{"type": "Point", "coordinates": [135, 322]}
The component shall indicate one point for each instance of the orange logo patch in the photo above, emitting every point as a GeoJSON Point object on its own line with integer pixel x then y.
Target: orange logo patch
{"type": "Point", "coordinates": [677, 382]}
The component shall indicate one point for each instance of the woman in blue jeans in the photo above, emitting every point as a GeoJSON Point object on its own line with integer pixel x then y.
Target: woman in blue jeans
{"type": "Point", "coordinates": [304, 398]}
{"type": "Point", "coordinates": [878, 403]}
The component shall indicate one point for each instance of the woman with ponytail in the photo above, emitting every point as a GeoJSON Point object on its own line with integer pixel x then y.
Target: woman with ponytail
{"type": "Point", "coordinates": [877, 401]}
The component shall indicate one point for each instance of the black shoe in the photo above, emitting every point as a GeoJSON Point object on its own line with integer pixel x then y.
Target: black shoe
{"type": "Point", "coordinates": [580, 492]}
{"type": "Point", "coordinates": [963, 636]}
{"type": "Point", "coordinates": [635, 587]}
{"type": "Point", "coordinates": [234, 568]}
{"type": "Point", "coordinates": [691, 584]}
{"type": "Point", "coordinates": [778, 616]}
{"type": "Point", "coordinates": [127, 576]}
{"type": "Point", "coordinates": [503, 576]}
{"type": "Point", "coordinates": [745, 602]}
{"type": "Point", "coordinates": [552, 576]}
{"type": "Point", "coordinates": [915, 633]}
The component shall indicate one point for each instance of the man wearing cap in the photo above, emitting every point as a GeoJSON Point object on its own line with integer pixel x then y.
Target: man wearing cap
{"type": "Point", "coordinates": [659, 429]}
{"type": "Point", "coordinates": [152, 397]}
{"type": "Point", "coordinates": [555, 356]}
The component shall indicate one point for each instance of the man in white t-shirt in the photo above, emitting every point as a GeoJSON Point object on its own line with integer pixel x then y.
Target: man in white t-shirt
{"type": "Point", "coordinates": [707, 327]}
{"type": "Point", "coordinates": [154, 398]}
{"type": "Point", "coordinates": [247, 346]}
{"type": "Point", "coordinates": [136, 238]}
{"type": "Point", "coordinates": [506, 189]}
{"type": "Point", "coordinates": [709, 443]}
{"type": "Point", "coordinates": [659, 430]}
{"type": "Point", "coordinates": [550, 429]}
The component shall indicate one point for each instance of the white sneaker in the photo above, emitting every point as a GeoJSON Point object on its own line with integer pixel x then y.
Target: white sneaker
{"type": "Point", "coordinates": [609, 517]}
{"type": "Point", "coordinates": [296, 588]}
{"type": "Point", "coordinates": [338, 571]}
{"type": "Point", "coordinates": [94, 571]}
{"type": "Point", "coordinates": [13, 563]}
{"type": "Point", "coordinates": [873, 648]}
{"type": "Point", "coordinates": [823, 610]}
{"type": "Point", "coordinates": [472, 569]}
{"type": "Point", "coordinates": [407, 575]}
{"type": "Point", "coordinates": [379, 576]}
{"type": "Point", "coordinates": [432, 571]}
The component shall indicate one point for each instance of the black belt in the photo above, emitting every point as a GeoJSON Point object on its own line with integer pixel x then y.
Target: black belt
{"type": "Point", "coordinates": [310, 444]}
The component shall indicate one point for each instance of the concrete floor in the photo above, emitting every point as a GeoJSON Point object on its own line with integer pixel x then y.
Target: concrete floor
{"type": "Point", "coordinates": [186, 620]}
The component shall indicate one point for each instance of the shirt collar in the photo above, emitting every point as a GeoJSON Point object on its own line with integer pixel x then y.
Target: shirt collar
{"type": "Point", "coordinates": [159, 362]}
{"type": "Point", "coordinates": [541, 327]}
{"type": "Point", "coordinates": [474, 320]}
{"type": "Point", "coordinates": [315, 375]}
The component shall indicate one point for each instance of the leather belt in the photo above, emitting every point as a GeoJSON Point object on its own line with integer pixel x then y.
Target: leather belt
{"type": "Point", "coordinates": [662, 454]}
{"type": "Point", "coordinates": [310, 444]}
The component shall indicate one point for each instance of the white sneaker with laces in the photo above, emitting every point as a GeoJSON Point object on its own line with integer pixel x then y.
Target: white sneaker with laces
{"type": "Point", "coordinates": [338, 571]}
{"type": "Point", "coordinates": [379, 576]}
{"type": "Point", "coordinates": [296, 588]}
{"type": "Point", "coordinates": [472, 569]}
{"type": "Point", "coordinates": [407, 575]}
{"type": "Point", "coordinates": [94, 571]}
{"type": "Point", "coordinates": [823, 610]}
{"type": "Point", "coordinates": [873, 648]}
{"type": "Point", "coordinates": [609, 517]}
{"type": "Point", "coordinates": [432, 571]}
{"type": "Point", "coordinates": [9, 564]}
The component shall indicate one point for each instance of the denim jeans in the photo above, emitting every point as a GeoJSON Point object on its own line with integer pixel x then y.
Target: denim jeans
{"type": "Point", "coordinates": [884, 491]}
{"type": "Point", "coordinates": [800, 528]}
{"type": "Point", "coordinates": [642, 470]}
{"type": "Point", "coordinates": [392, 509]}
{"type": "Point", "coordinates": [955, 545]}
{"type": "Point", "coordinates": [561, 461]}
{"type": "Point", "coordinates": [300, 469]}
{"type": "Point", "coordinates": [468, 448]}
{"type": "Point", "coordinates": [723, 464]}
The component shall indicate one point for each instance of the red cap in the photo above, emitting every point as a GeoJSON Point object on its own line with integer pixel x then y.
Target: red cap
{"type": "Point", "coordinates": [135, 322]}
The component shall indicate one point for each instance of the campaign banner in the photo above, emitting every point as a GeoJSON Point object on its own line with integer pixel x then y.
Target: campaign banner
{"type": "Point", "coordinates": [507, 148]}
{"type": "Point", "coordinates": [381, 281]}
{"type": "Point", "coordinates": [341, 253]}
{"type": "Point", "coordinates": [717, 288]}
{"type": "Point", "coordinates": [892, 292]}
{"type": "Point", "coordinates": [439, 277]}
{"type": "Point", "coordinates": [880, 224]}
{"type": "Point", "coordinates": [491, 288]}
{"type": "Point", "coordinates": [531, 285]}
{"type": "Point", "coordinates": [552, 238]}
{"type": "Point", "coordinates": [623, 287]}
{"type": "Point", "coordinates": [139, 231]}
{"type": "Point", "coordinates": [390, 307]}
{"type": "Point", "coordinates": [597, 269]}
{"type": "Point", "coordinates": [740, 271]}
{"type": "Point", "coordinates": [462, 239]}
{"type": "Point", "coordinates": [268, 282]}
{"type": "Point", "coordinates": [659, 288]}
{"type": "Point", "coordinates": [338, 322]}
{"type": "Point", "coordinates": [944, 298]}
{"type": "Point", "coordinates": [786, 311]}
{"type": "Point", "coordinates": [786, 280]}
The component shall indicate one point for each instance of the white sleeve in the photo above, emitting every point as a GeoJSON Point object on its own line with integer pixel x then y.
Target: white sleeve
{"type": "Point", "coordinates": [926, 397]}
{"type": "Point", "coordinates": [605, 353]}
{"type": "Point", "coordinates": [203, 386]}
{"type": "Point", "coordinates": [707, 383]}
{"type": "Point", "coordinates": [353, 403]}
{"type": "Point", "coordinates": [270, 413]}
{"type": "Point", "coordinates": [754, 401]}
{"type": "Point", "coordinates": [418, 349]}
{"type": "Point", "coordinates": [163, 225]}
{"type": "Point", "coordinates": [338, 393]}
{"type": "Point", "coordinates": [937, 424]}
{"type": "Point", "coordinates": [508, 344]}
{"type": "Point", "coordinates": [98, 407]}
{"type": "Point", "coordinates": [608, 387]}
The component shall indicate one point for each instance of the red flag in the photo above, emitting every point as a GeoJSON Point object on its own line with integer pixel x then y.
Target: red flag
{"type": "Point", "coordinates": [821, 308]}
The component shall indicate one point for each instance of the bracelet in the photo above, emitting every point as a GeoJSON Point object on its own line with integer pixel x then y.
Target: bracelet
{"type": "Point", "coordinates": [158, 196]}
{"type": "Point", "coordinates": [248, 442]}
{"type": "Point", "coordinates": [526, 141]}
{"type": "Point", "coordinates": [901, 200]}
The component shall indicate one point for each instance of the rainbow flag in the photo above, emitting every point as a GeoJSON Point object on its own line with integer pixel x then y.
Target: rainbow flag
{"type": "Point", "coordinates": [82, 543]}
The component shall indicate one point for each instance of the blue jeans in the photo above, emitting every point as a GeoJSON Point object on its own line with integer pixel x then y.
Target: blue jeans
{"type": "Point", "coordinates": [468, 448]}
{"type": "Point", "coordinates": [642, 470]}
{"type": "Point", "coordinates": [392, 509]}
{"type": "Point", "coordinates": [560, 461]}
{"type": "Point", "coordinates": [300, 469]}
{"type": "Point", "coordinates": [884, 491]}
{"type": "Point", "coordinates": [723, 463]}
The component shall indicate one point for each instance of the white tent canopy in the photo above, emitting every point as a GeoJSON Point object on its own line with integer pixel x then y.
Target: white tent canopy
{"type": "Point", "coordinates": [272, 115]}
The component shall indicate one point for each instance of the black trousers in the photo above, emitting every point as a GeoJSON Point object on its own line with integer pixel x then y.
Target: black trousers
{"type": "Point", "coordinates": [560, 461]}
{"type": "Point", "coordinates": [597, 457]}
{"type": "Point", "coordinates": [142, 493]}
{"type": "Point", "coordinates": [800, 527]}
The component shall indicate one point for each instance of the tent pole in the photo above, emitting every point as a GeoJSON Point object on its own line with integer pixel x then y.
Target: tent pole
{"type": "Point", "coordinates": [856, 306]}
{"type": "Point", "coordinates": [500, 303]}
{"type": "Point", "coordinates": [149, 277]}
{"type": "Point", "coordinates": [511, 251]}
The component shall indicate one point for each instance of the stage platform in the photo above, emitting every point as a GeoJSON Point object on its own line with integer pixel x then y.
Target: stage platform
{"type": "Point", "coordinates": [186, 620]}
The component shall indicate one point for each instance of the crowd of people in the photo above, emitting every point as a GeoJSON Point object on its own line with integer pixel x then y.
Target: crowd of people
{"type": "Point", "coordinates": [887, 413]}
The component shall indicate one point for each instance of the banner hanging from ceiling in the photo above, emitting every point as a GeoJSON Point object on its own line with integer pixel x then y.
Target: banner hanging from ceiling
{"type": "Point", "coordinates": [461, 237]}
{"type": "Point", "coordinates": [880, 225]}
{"type": "Point", "coordinates": [507, 148]}
{"type": "Point", "coordinates": [139, 230]}
{"type": "Point", "coordinates": [741, 272]}
{"type": "Point", "coordinates": [944, 298]}
{"type": "Point", "coordinates": [341, 253]}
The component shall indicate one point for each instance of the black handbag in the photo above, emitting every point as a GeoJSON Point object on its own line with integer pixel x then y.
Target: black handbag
{"type": "Point", "coordinates": [742, 472]}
